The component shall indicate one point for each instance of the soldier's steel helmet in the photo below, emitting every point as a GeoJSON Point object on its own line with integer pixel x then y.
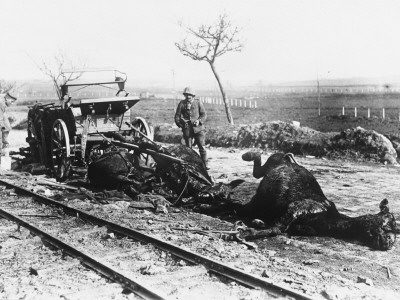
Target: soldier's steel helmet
{"type": "Point", "coordinates": [189, 91]}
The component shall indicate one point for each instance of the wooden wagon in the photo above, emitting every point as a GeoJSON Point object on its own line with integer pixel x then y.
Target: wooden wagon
{"type": "Point", "coordinates": [75, 131]}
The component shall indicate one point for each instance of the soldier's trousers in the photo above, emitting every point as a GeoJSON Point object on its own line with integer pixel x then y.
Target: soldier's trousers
{"type": "Point", "coordinates": [4, 141]}
{"type": "Point", "coordinates": [199, 139]}
{"type": "Point", "coordinates": [4, 137]}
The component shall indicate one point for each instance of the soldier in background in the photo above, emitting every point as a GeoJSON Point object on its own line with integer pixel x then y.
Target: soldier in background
{"type": "Point", "coordinates": [5, 100]}
{"type": "Point", "coordinates": [190, 115]}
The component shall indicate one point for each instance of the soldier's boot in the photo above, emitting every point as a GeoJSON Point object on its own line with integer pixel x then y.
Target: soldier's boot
{"type": "Point", "coordinates": [252, 156]}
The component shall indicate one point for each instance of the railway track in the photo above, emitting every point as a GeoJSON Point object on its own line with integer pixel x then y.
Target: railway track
{"type": "Point", "coordinates": [146, 266]}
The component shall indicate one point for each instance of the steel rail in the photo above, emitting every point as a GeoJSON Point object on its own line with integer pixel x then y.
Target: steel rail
{"type": "Point", "coordinates": [108, 271]}
{"type": "Point", "coordinates": [230, 272]}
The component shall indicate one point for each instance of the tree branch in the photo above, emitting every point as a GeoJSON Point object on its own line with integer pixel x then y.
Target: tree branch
{"type": "Point", "coordinates": [54, 70]}
{"type": "Point", "coordinates": [207, 42]}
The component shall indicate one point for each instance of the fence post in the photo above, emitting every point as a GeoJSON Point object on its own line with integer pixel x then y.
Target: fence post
{"type": "Point", "coordinates": [383, 113]}
{"type": "Point", "coordinates": [343, 111]}
{"type": "Point", "coordinates": [355, 112]}
{"type": "Point", "coordinates": [369, 113]}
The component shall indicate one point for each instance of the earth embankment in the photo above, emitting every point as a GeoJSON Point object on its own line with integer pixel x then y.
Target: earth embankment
{"type": "Point", "coordinates": [354, 143]}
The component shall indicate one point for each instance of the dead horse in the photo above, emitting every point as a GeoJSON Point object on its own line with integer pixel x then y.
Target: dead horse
{"type": "Point", "coordinates": [290, 196]}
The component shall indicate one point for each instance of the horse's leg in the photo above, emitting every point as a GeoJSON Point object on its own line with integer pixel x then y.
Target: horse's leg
{"type": "Point", "coordinates": [258, 170]}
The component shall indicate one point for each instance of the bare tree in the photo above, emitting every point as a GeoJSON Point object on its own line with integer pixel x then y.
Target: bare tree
{"type": "Point", "coordinates": [208, 42]}
{"type": "Point", "coordinates": [54, 70]}
{"type": "Point", "coordinates": [7, 86]}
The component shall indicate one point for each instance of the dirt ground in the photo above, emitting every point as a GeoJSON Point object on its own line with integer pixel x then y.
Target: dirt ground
{"type": "Point", "coordinates": [323, 267]}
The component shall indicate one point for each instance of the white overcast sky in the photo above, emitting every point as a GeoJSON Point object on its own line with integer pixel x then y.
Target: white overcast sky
{"type": "Point", "coordinates": [284, 40]}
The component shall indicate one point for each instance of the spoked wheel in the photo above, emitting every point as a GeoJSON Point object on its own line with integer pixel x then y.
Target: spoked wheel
{"type": "Point", "coordinates": [144, 133]}
{"type": "Point", "coordinates": [60, 150]}
{"type": "Point", "coordinates": [34, 139]}
{"type": "Point", "coordinates": [142, 129]}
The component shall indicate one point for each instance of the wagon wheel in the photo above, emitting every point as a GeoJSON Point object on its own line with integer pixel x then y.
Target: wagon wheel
{"type": "Point", "coordinates": [60, 150]}
{"type": "Point", "coordinates": [141, 125]}
{"type": "Point", "coordinates": [142, 132]}
{"type": "Point", "coordinates": [34, 140]}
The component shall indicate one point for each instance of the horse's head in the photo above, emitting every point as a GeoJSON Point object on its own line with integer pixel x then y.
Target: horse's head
{"type": "Point", "coordinates": [382, 232]}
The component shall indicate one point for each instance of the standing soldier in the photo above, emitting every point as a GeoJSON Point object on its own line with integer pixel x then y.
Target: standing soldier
{"type": "Point", "coordinates": [5, 100]}
{"type": "Point", "coordinates": [190, 116]}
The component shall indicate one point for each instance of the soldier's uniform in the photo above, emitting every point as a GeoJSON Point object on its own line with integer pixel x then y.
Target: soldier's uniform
{"type": "Point", "coordinates": [190, 115]}
{"type": "Point", "coordinates": [4, 122]}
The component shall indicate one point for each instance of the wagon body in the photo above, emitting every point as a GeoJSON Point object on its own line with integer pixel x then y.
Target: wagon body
{"type": "Point", "coordinates": [103, 115]}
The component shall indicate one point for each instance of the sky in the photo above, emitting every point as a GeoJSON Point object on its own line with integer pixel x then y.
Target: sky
{"type": "Point", "coordinates": [284, 40]}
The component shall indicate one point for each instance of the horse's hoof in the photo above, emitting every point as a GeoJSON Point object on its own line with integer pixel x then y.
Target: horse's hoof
{"type": "Point", "coordinates": [257, 223]}
{"type": "Point", "coordinates": [251, 155]}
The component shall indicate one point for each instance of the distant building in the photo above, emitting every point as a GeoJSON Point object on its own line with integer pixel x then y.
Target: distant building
{"type": "Point", "coordinates": [144, 95]}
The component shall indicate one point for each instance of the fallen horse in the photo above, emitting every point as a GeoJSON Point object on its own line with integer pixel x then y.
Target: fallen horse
{"type": "Point", "coordinates": [190, 177]}
{"type": "Point", "coordinates": [178, 168]}
{"type": "Point", "coordinates": [290, 197]}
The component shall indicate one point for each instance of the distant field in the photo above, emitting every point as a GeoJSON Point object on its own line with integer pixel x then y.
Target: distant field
{"type": "Point", "coordinates": [289, 107]}
{"type": "Point", "coordinates": [286, 107]}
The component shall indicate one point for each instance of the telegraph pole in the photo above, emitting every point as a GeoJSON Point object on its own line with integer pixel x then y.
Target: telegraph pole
{"type": "Point", "coordinates": [319, 97]}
